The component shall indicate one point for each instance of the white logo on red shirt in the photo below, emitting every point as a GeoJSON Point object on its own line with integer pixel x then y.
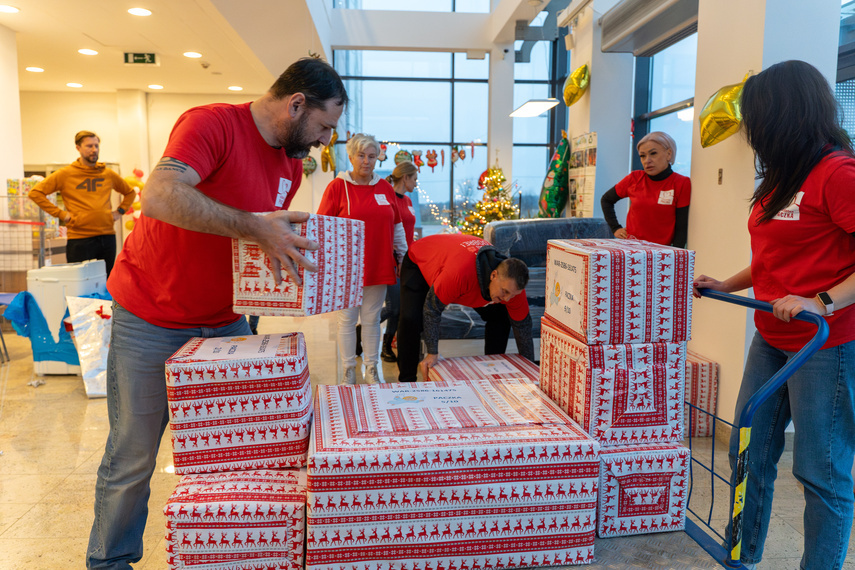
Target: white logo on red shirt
{"type": "Point", "coordinates": [791, 212]}
{"type": "Point", "coordinates": [284, 189]}
{"type": "Point", "coordinates": [381, 199]}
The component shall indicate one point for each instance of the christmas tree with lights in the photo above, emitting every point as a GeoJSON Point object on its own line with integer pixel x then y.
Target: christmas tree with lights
{"type": "Point", "coordinates": [497, 203]}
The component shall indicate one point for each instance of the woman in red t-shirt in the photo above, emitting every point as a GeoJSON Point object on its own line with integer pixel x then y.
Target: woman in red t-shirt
{"type": "Point", "coordinates": [659, 197]}
{"type": "Point", "coordinates": [802, 227]}
{"type": "Point", "coordinates": [362, 195]}
{"type": "Point", "coordinates": [404, 179]}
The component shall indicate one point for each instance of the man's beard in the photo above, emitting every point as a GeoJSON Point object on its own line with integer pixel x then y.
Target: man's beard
{"type": "Point", "coordinates": [294, 145]}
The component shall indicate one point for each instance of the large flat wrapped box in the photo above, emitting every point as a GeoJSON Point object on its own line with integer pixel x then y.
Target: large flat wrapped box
{"type": "Point", "coordinates": [620, 393]}
{"type": "Point", "coordinates": [485, 367]}
{"type": "Point", "coordinates": [526, 239]}
{"type": "Point", "coordinates": [239, 403]}
{"type": "Point", "coordinates": [612, 291]}
{"type": "Point", "coordinates": [336, 285]}
{"type": "Point", "coordinates": [643, 488]}
{"type": "Point", "coordinates": [701, 391]}
{"type": "Point", "coordinates": [448, 475]}
{"type": "Point", "coordinates": [244, 520]}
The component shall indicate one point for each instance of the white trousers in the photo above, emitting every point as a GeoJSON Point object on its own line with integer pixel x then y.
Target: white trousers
{"type": "Point", "coordinates": [369, 314]}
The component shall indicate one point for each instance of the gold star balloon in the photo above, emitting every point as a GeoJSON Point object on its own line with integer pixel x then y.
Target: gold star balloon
{"type": "Point", "coordinates": [722, 114]}
{"type": "Point", "coordinates": [576, 85]}
{"type": "Point", "coordinates": [328, 154]}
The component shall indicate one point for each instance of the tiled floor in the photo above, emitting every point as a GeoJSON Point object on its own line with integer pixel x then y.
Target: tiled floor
{"type": "Point", "coordinates": [52, 438]}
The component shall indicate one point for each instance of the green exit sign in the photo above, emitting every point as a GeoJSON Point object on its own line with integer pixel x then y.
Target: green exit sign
{"type": "Point", "coordinates": [141, 58]}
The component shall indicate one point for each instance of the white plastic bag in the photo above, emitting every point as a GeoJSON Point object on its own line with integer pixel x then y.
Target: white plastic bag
{"type": "Point", "coordinates": [91, 322]}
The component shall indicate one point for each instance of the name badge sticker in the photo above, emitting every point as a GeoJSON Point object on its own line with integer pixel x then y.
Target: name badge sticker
{"type": "Point", "coordinates": [666, 197]}
{"type": "Point", "coordinates": [412, 210]}
{"type": "Point", "coordinates": [381, 199]}
{"type": "Point", "coordinates": [284, 189]}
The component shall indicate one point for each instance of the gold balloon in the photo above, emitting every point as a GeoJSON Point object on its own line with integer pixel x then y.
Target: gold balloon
{"type": "Point", "coordinates": [576, 85]}
{"type": "Point", "coordinates": [721, 115]}
{"type": "Point", "coordinates": [328, 154]}
{"type": "Point", "coordinates": [129, 225]}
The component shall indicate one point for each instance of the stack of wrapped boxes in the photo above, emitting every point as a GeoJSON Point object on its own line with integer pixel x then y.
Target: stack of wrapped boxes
{"type": "Point", "coordinates": [701, 392]}
{"type": "Point", "coordinates": [485, 367]}
{"type": "Point", "coordinates": [613, 356]}
{"type": "Point", "coordinates": [457, 475]}
{"type": "Point", "coordinates": [241, 412]}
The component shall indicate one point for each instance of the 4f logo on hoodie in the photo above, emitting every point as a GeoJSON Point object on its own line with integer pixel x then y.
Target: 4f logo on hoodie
{"type": "Point", "coordinates": [90, 184]}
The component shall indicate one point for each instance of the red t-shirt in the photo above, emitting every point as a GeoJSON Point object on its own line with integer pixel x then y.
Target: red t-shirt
{"type": "Point", "coordinates": [447, 262]}
{"type": "Point", "coordinates": [807, 249]}
{"type": "Point", "coordinates": [177, 278]}
{"type": "Point", "coordinates": [375, 205]}
{"type": "Point", "coordinates": [408, 216]}
{"type": "Point", "coordinates": [653, 207]}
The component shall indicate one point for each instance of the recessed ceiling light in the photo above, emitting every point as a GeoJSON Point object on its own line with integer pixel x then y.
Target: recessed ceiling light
{"type": "Point", "coordinates": [87, 51]}
{"type": "Point", "coordinates": [155, 86]}
{"type": "Point", "coordinates": [75, 85]}
{"type": "Point", "coordinates": [35, 69]}
{"type": "Point", "coordinates": [139, 12]}
{"type": "Point", "coordinates": [235, 88]}
{"type": "Point", "coordinates": [8, 9]}
{"type": "Point", "coordinates": [193, 54]}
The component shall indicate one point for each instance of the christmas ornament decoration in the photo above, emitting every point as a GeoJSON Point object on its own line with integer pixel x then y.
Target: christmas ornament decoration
{"type": "Point", "coordinates": [403, 156]}
{"type": "Point", "coordinates": [496, 204]}
{"type": "Point", "coordinates": [461, 154]}
{"type": "Point", "coordinates": [382, 156]}
{"type": "Point", "coordinates": [137, 172]}
{"type": "Point", "coordinates": [722, 114]}
{"type": "Point", "coordinates": [455, 155]}
{"type": "Point", "coordinates": [431, 159]}
{"type": "Point", "coordinates": [442, 153]}
{"type": "Point", "coordinates": [309, 165]}
{"type": "Point", "coordinates": [472, 149]}
{"type": "Point", "coordinates": [576, 85]}
{"type": "Point", "coordinates": [417, 159]}
{"type": "Point", "coordinates": [328, 154]}
{"type": "Point", "coordinates": [554, 192]}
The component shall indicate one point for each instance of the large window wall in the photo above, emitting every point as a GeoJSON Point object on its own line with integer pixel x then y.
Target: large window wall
{"type": "Point", "coordinates": [481, 6]}
{"type": "Point", "coordinates": [535, 138]}
{"type": "Point", "coordinates": [422, 101]}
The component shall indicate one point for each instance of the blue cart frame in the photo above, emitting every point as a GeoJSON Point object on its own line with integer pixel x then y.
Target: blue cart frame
{"type": "Point", "coordinates": [729, 557]}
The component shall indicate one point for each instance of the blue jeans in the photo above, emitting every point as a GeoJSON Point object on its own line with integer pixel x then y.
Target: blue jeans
{"type": "Point", "coordinates": [820, 400]}
{"type": "Point", "coordinates": [138, 413]}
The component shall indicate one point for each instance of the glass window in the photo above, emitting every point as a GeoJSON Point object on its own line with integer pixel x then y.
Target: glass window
{"type": "Point", "coordinates": [368, 63]}
{"type": "Point", "coordinates": [674, 73]}
{"type": "Point", "coordinates": [530, 129]}
{"type": "Point", "coordinates": [480, 6]}
{"type": "Point", "coordinates": [538, 67]}
{"type": "Point", "coordinates": [465, 68]}
{"type": "Point", "coordinates": [530, 166]}
{"type": "Point", "coordinates": [399, 110]}
{"type": "Point", "coordinates": [470, 112]}
{"type": "Point", "coordinates": [679, 126]}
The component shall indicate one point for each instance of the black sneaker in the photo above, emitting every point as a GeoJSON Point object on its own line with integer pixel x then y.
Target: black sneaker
{"type": "Point", "coordinates": [387, 355]}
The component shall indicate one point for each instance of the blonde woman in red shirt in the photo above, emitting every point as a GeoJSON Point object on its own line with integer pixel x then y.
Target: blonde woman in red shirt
{"type": "Point", "coordinates": [361, 194]}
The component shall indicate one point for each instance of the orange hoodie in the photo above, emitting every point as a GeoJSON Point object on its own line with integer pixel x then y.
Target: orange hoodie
{"type": "Point", "coordinates": [86, 192]}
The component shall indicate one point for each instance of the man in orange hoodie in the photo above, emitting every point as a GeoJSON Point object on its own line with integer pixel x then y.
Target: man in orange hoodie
{"type": "Point", "coordinates": [86, 187]}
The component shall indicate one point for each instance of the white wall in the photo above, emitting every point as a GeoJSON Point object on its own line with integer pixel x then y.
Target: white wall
{"type": "Point", "coordinates": [11, 159]}
{"type": "Point", "coordinates": [719, 213]}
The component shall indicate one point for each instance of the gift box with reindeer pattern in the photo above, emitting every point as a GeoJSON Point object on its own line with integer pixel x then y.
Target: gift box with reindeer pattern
{"type": "Point", "coordinates": [239, 403]}
{"type": "Point", "coordinates": [243, 520]}
{"type": "Point", "coordinates": [456, 475]}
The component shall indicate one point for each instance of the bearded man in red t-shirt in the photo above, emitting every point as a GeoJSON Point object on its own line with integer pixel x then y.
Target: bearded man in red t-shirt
{"type": "Point", "coordinates": [456, 268]}
{"type": "Point", "coordinates": [172, 281]}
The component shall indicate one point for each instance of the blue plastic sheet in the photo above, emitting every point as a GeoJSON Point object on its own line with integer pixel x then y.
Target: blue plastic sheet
{"type": "Point", "coordinates": [28, 321]}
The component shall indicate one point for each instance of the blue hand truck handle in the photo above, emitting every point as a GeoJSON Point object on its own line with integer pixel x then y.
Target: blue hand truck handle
{"type": "Point", "coordinates": [776, 381]}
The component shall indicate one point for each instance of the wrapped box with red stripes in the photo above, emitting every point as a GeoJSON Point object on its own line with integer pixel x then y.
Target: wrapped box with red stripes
{"type": "Point", "coordinates": [643, 488]}
{"type": "Point", "coordinates": [620, 393]}
{"type": "Point", "coordinates": [241, 520]}
{"type": "Point", "coordinates": [701, 391]}
{"type": "Point", "coordinates": [336, 285]}
{"type": "Point", "coordinates": [485, 367]}
{"type": "Point", "coordinates": [612, 291]}
{"type": "Point", "coordinates": [239, 403]}
{"type": "Point", "coordinates": [456, 475]}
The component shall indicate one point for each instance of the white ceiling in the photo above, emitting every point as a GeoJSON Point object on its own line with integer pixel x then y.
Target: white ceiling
{"type": "Point", "coordinates": [49, 33]}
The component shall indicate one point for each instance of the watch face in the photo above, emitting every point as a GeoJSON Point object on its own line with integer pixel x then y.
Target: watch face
{"type": "Point", "coordinates": [825, 298]}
